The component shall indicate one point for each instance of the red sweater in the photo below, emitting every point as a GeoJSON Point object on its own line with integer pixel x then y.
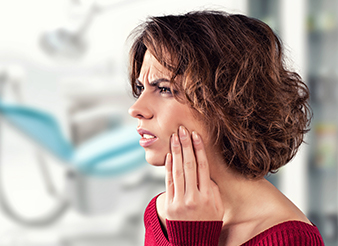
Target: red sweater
{"type": "Point", "coordinates": [206, 233]}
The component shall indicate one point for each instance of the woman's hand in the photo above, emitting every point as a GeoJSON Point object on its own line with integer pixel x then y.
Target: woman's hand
{"type": "Point", "coordinates": [191, 195]}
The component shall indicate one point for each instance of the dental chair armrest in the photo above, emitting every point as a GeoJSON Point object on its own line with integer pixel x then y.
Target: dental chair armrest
{"type": "Point", "coordinates": [111, 153]}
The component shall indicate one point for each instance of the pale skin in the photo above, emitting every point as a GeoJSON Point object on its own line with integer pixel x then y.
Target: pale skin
{"type": "Point", "coordinates": [199, 185]}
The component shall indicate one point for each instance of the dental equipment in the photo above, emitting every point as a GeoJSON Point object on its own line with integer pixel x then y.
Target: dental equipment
{"type": "Point", "coordinates": [71, 43]}
{"type": "Point", "coordinates": [106, 157]}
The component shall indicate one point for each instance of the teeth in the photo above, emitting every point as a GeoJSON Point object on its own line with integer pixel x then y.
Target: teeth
{"type": "Point", "coordinates": [147, 136]}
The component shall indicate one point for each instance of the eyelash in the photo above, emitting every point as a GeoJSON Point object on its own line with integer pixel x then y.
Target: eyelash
{"type": "Point", "coordinates": [165, 90]}
{"type": "Point", "coordinates": [162, 90]}
{"type": "Point", "coordinates": [139, 89]}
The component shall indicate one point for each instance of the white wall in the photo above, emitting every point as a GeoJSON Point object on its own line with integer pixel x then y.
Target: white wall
{"type": "Point", "coordinates": [293, 33]}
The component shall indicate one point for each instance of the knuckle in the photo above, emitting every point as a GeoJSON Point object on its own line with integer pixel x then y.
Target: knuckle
{"type": "Point", "coordinates": [189, 164]}
{"type": "Point", "coordinates": [202, 164]}
{"type": "Point", "coordinates": [185, 142]}
{"type": "Point", "coordinates": [170, 182]}
{"type": "Point", "coordinates": [176, 149]}
{"type": "Point", "coordinates": [177, 173]}
{"type": "Point", "coordinates": [208, 193]}
{"type": "Point", "coordinates": [206, 197]}
{"type": "Point", "coordinates": [191, 204]}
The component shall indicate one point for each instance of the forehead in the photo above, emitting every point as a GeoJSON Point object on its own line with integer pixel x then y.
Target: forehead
{"type": "Point", "coordinates": [152, 67]}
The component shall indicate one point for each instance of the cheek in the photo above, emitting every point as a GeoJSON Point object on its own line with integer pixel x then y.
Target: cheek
{"type": "Point", "coordinates": [171, 118]}
{"type": "Point", "coordinates": [173, 115]}
{"type": "Point", "coordinates": [176, 116]}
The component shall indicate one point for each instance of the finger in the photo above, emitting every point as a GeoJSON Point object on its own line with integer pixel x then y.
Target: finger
{"type": "Point", "coordinates": [177, 168]}
{"type": "Point", "coordinates": [202, 163]}
{"type": "Point", "coordinates": [189, 161]}
{"type": "Point", "coordinates": [169, 178]}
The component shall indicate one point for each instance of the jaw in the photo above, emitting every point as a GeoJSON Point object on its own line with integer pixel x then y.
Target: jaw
{"type": "Point", "coordinates": [155, 157]}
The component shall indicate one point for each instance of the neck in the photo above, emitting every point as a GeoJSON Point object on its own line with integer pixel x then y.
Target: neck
{"type": "Point", "coordinates": [238, 193]}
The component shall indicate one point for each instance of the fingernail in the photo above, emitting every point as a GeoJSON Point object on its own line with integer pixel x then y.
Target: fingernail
{"type": "Point", "coordinates": [183, 132]}
{"type": "Point", "coordinates": [195, 137]}
{"type": "Point", "coordinates": [174, 140]}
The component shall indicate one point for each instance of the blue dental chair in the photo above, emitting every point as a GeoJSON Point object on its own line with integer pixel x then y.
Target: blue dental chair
{"type": "Point", "coordinates": [112, 153]}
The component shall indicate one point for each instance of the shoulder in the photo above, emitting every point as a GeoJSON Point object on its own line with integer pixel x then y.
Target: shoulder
{"type": "Point", "coordinates": [276, 218]}
{"type": "Point", "coordinates": [275, 209]}
{"type": "Point", "coordinates": [292, 233]}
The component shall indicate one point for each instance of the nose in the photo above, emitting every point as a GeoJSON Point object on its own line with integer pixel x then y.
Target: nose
{"type": "Point", "coordinates": [141, 109]}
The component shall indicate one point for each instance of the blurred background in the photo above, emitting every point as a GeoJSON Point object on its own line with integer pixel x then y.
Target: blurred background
{"type": "Point", "coordinates": [70, 171]}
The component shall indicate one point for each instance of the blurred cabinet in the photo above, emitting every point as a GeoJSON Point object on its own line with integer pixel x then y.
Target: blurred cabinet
{"type": "Point", "coordinates": [322, 37]}
{"type": "Point", "coordinates": [321, 75]}
{"type": "Point", "coordinates": [267, 11]}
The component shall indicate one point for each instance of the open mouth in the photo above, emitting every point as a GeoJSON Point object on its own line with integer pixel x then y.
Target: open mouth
{"type": "Point", "coordinates": [148, 136]}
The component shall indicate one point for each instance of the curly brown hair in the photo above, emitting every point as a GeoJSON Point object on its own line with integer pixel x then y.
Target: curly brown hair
{"type": "Point", "coordinates": [234, 75]}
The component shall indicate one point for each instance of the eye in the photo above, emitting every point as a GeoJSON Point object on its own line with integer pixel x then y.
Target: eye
{"type": "Point", "coordinates": [139, 89]}
{"type": "Point", "coordinates": [165, 90]}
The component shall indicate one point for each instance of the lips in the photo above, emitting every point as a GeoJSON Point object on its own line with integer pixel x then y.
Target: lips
{"type": "Point", "coordinates": [147, 138]}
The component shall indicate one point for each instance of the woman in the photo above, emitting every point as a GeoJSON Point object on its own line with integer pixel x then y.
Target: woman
{"type": "Point", "coordinates": [218, 107]}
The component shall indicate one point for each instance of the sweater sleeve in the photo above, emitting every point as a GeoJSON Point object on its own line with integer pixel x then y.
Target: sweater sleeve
{"type": "Point", "coordinates": [193, 233]}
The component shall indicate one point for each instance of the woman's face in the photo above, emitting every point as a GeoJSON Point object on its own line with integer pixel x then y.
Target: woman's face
{"type": "Point", "coordinates": [159, 114]}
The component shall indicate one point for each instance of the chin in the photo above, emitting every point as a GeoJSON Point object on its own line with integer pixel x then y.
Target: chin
{"type": "Point", "coordinates": [155, 159]}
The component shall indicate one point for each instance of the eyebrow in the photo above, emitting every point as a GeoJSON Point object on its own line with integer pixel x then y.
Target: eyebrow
{"type": "Point", "coordinates": [154, 82]}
